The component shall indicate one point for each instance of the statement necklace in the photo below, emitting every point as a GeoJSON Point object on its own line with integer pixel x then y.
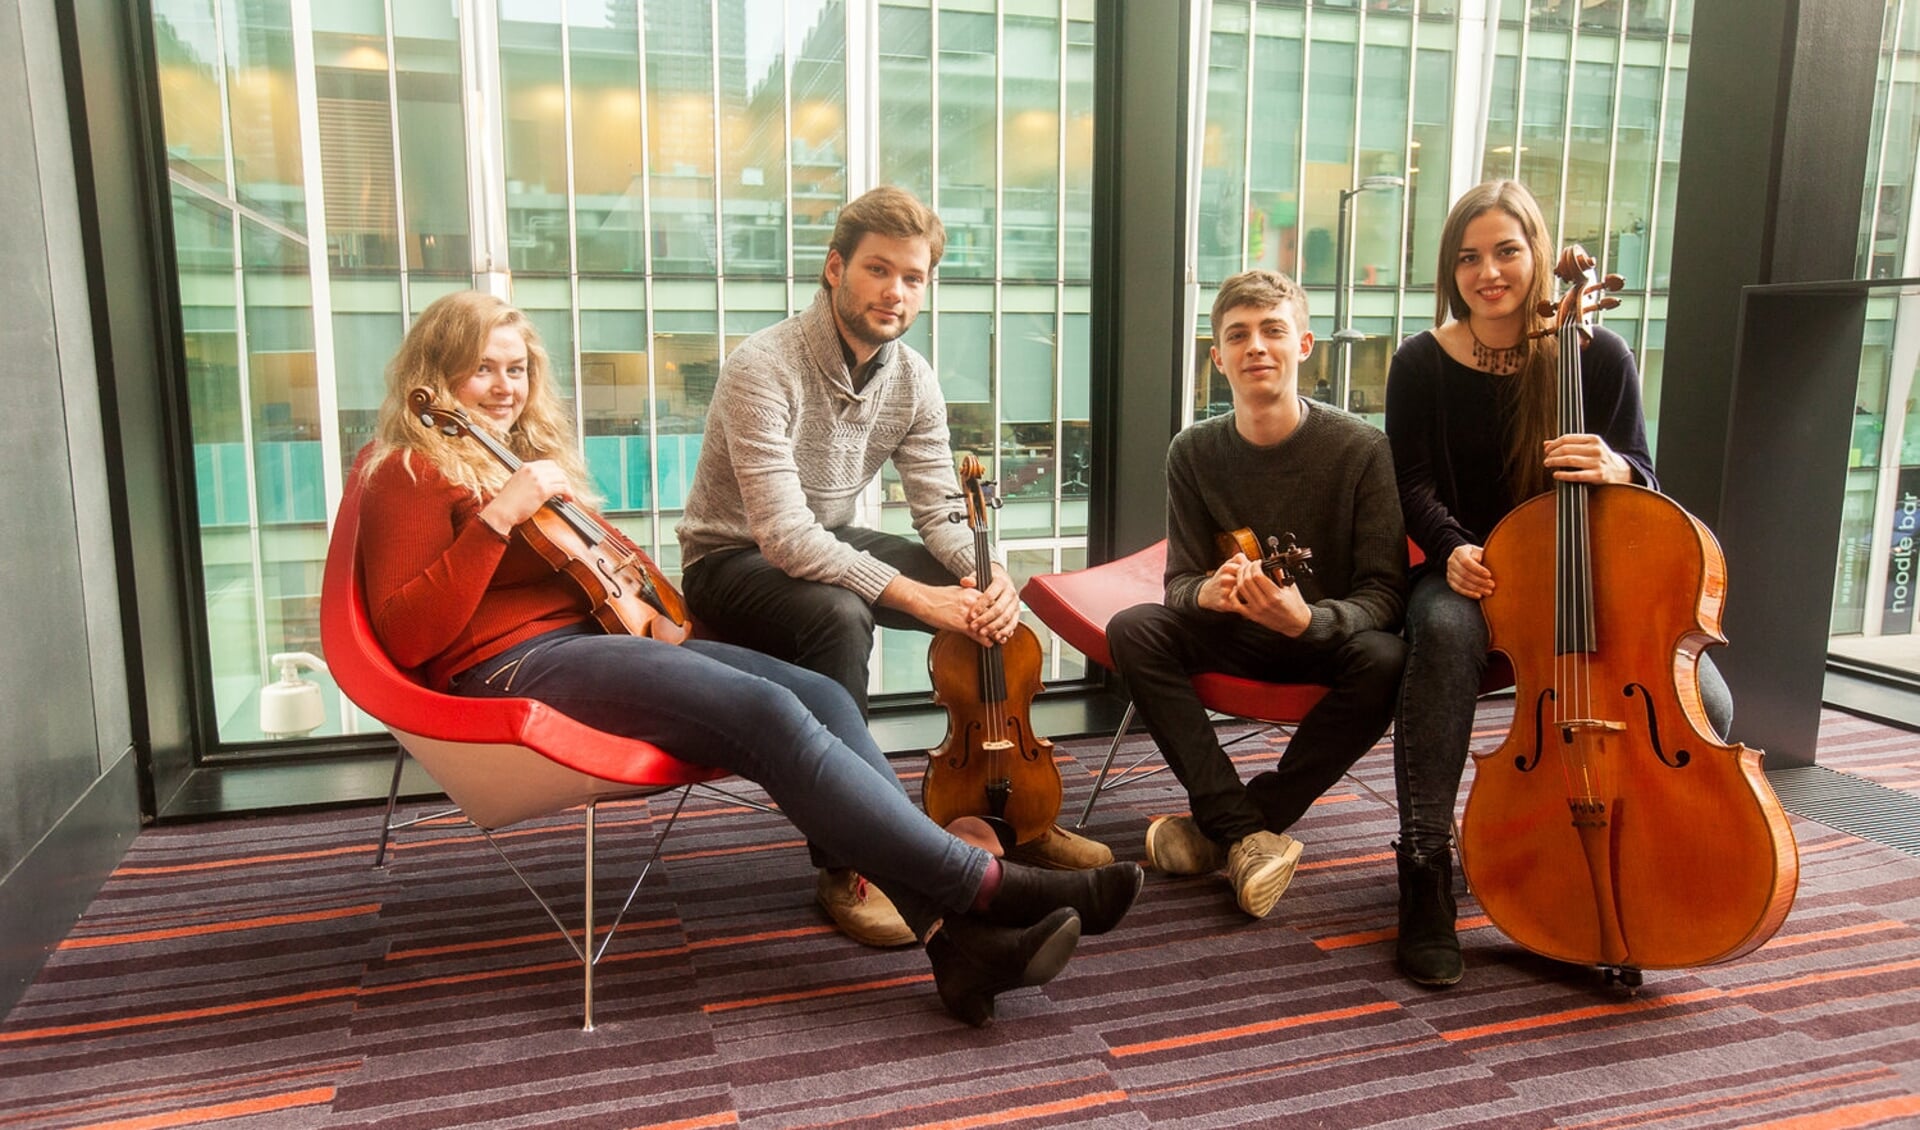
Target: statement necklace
{"type": "Point", "coordinates": [1502, 361]}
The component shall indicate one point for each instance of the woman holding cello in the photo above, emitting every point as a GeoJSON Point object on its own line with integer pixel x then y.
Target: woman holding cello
{"type": "Point", "coordinates": [456, 591]}
{"type": "Point", "coordinates": [1471, 416]}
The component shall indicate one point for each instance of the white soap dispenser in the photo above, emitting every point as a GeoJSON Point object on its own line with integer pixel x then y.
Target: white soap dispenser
{"type": "Point", "coordinates": [292, 707]}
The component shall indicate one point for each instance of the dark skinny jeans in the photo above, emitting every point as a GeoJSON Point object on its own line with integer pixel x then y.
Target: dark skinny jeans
{"type": "Point", "coordinates": [1159, 651]}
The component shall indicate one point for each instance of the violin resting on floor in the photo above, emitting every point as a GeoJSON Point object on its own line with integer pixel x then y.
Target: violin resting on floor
{"type": "Point", "coordinates": [991, 764]}
{"type": "Point", "coordinates": [1611, 828]}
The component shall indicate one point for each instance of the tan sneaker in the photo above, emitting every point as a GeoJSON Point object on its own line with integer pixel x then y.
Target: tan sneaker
{"type": "Point", "coordinates": [1260, 866]}
{"type": "Point", "coordinates": [1177, 846]}
{"type": "Point", "coordinates": [861, 910]}
{"type": "Point", "coordinates": [1060, 850]}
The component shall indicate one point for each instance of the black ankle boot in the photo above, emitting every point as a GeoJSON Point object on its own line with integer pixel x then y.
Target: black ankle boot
{"type": "Point", "coordinates": [974, 960]}
{"type": "Point", "coordinates": [1429, 950]}
{"type": "Point", "coordinates": [1101, 895]}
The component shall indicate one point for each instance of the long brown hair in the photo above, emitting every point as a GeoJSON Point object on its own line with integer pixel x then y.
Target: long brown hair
{"type": "Point", "coordinates": [441, 350]}
{"type": "Point", "coordinates": [1532, 394]}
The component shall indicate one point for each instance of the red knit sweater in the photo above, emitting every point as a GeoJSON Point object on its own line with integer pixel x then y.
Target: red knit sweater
{"type": "Point", "coordinates": [443, 589]}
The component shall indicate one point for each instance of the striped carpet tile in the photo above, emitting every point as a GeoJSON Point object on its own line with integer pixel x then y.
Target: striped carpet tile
{"type": "Point", "coordinates": [258, 974]}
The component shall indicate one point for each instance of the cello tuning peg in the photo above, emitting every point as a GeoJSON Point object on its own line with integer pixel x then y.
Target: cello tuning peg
{"type": "Point", "coordinates": [1613, 282]}
{"type": "Point", "coordinates": [1609, 302]}
{"type": "Point", "coordinates": [1546, 309]}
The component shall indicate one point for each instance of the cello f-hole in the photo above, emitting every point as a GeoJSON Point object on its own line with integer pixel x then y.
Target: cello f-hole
{"type": "Point", "coordinates": [1524, 763]}
{"type": "Point", "coordinates": [1680, 757]}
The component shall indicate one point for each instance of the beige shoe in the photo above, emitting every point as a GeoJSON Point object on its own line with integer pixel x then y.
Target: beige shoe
{"type": "Point", "coordinates": [1177, 846]}
{"type": "Point", "coordinates": [861, 910]}
{"type": "Point", "coordinates": [1060, 850]}
{"type": "Point", "coordinates": [1260, 866]}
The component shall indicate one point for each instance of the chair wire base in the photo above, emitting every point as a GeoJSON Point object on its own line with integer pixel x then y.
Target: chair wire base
{"type": "Point", "coordinates": [1129, 776]}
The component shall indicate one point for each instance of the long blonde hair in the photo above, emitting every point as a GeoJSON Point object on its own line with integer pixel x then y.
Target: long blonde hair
{"type": "Point", "coordinates": [1533, 393]}
{"type": "Point", "coordinates": [441, 351]}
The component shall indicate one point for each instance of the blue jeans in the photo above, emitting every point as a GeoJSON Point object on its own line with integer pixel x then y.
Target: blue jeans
{"type": "Point", "coordinates": [743, 598]}
{"type": "Point", "coordinates": [793, 732]}
{"type": "Point", "coordinates": [1446, 659]}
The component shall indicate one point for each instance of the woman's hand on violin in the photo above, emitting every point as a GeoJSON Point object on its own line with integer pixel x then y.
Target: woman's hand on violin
{"type": "Point", "coordinates": [525, 492]}
{"type": "Point", "coordinates": [1586, 459]}
{"type": "Point", "coordinates": [1466, 575]}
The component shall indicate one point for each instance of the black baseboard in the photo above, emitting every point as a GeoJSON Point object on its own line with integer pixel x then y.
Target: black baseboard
{"type": "Point", "coordinates": [46, 893]}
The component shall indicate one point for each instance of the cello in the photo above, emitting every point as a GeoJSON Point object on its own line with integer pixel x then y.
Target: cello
{"type": "Point", "coordinates": [627, 591]}
{"type": "Point", "coordinates": [1610, 828]}
{"type": "Point", "coordinates": [991, 764]}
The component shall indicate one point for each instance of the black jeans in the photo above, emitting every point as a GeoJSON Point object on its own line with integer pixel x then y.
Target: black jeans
{"type": "Point", "coordinates": [1159, 650]}
{"type": "Point", "coordinates": [741, 597]}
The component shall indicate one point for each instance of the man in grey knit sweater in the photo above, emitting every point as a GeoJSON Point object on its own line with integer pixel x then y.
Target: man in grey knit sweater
{"type": "Point", "coordinates": [804, 415]}
{"type": "Point", "coordinates": [1276, 465]}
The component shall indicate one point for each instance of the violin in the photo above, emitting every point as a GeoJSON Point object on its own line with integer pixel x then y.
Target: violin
{"type": "Point", "coordinates": [1611, 828]}
{"type": "Point", "coordinates": [1284, 563]}
{"type": "Point", "coordinates": [628, 593]}
{"type": "Point", "coordinates": [991, 764]}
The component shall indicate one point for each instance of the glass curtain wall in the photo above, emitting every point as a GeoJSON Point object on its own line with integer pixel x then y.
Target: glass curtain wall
{"type": "Point", "coordinates": [1305, 102]}
{"type": "Point", "coordinates": [667, 175]}
{"type": "Point", "coordinates": [1875, 582]}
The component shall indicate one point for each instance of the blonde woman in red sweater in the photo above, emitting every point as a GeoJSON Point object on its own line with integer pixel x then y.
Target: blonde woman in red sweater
{"type": "Point", "coordinates": [454, 594]}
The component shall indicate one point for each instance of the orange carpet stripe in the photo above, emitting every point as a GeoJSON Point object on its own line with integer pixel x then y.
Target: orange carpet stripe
{"type": "Point", "coordinates": [1780, 942]}
{"type": "Point", "coordinates": [1260, 1029]}
{"type": "Point", "coordinates": [1569, 1016]}
{"type": "Point", "coordinates": [234, 926]}
{"type": "Point", "coordinates": [1037, 1110]}
{"type": "Point", "coordinates": [1824, 977]}
{"type": "Point", "coordinates": [749, 849]}
{"type": "Point", "coordinates": [816, 994]}
{"type": "Point", "coordinates": [164, 1093]}
{"type": "Point", "coordinates": [1368, 937]}
{"type": "Point", "coordinates": [1741, 1099]}
{"type": "Point", "coordinates": [194, 1116]}
{"type": "Point", "coordinates": [245, 861]}
{"type": "Point", "coordinates": [1209, 1082]}
{"type": "Point", "coordinates": [146, 1019]}
{"type": "Point", "coordinates": [522, 940]}
{"type": "Point", "coordinates": [720, 1118]}
{"type": "Point", "coordinates": [763, 936]}
{"type": "Point", "coordinates": [1859, 1114]}
{"type": "Point", "coordinates": [1344, 861]}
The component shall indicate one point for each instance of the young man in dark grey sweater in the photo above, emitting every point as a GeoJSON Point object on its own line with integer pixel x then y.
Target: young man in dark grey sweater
{"type": "Point", "coordinates": [1275, 465]}
{"type": "Point", "coordinates": [803, 416]}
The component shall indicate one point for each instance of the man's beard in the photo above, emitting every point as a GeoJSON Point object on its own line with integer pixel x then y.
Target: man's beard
{"type": "Point", "coordinates": [855, 322]}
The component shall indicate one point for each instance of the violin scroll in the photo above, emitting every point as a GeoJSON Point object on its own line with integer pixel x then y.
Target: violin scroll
{"type": "Point", "coordinates": [1285, 562]}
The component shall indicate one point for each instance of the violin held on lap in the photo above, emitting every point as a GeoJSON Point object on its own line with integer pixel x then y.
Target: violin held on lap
{"type": "Point", "coordinates": [991, 764]}
{"type": "Point", "coordinates": [1283, 564]}
{"type": "Point", "coordinates": [628, 592]}
{"type": "Point", "coordinates": [1611, 828]}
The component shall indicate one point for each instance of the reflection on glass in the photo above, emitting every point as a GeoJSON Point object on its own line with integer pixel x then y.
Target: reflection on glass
{"type": "Point", "coordinates": [1635, 136]}
{"type": "Point", "coordinates": [433, 140]}
{"type": "Point", "coordinates": [679, 68]}
{"type": "Point", "coordinates": [818, 147]}
{"type": "Point", "coordinates": [535, 112]}
{"type": "Point", "coordinates": [1383, 129]}
{"type": "Point", "coordinates": [1544, 124]}
{"type": "Point", "coordinates": [966, 171]}
{"type": "Point", "coordinates": [186, 46]}
{"type": "Point", "coordinates": [1273, 162]}
{"type": "Point", "coordinates": [1432, 150]}
{"type": "Point", "coordinates": [1030, 188]}
{"type": "Point", "coordinates": [1329, 168]}
{"type": "Point", "coordinates": [607, 181]}
{"type": "Point", "coordinates": [1223, 145]}
{"type": "Point", "coordinates": [356, 145]}
{"type": "Point", "coordinates": [906, 95]}
{"type": "Point", "coordinates": [263, 119]}
{"type": "Point", "coordinates": [753, 104]}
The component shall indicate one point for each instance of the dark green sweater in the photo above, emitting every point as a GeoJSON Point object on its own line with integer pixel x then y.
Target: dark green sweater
{"type": "Point", "coordinates": [1330, 484]}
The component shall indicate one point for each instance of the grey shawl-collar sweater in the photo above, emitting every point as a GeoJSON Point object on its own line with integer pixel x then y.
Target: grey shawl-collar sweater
{"type": "Point", "coordinates": [791, 444]}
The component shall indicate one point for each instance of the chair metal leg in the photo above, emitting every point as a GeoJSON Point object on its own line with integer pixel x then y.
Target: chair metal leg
{"type": "Point", "coordinates": [388, 825]}
{"type": "Point", "coordinates": [585, 951]}
{"type": "Point", "coordinates": [1100, 781]}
